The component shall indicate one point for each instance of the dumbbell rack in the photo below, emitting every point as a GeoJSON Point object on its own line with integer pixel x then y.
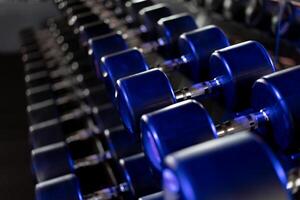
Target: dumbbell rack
{"type": "Point", "coordinates": [57, 70]}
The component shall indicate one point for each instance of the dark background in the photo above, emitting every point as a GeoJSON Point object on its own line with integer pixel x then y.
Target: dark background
{"type": "Point", "coordinates": [15, 173]}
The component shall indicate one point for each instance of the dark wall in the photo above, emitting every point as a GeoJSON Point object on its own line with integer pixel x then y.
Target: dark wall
{"type": "Point", "coordinates": [15, 172]}
{"type": "Point", "coordinates": [17, 15]}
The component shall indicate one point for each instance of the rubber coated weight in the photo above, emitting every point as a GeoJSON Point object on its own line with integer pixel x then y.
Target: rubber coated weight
{"type": "Point", "coordinates": [101, 46]}
{"type": "Point", "coordinates": [52, 161]}
{"type": "Point", "coordinates": [228, 67]}
{"type": "Point", "coordinates": [121, 64]}
{"type": "Point", "coordinates": [236, 167]}
{"type": "Point", "coordinates": [197, 46]}
{"type": "Point", "coordinates": [151, 15]}
{"type": "Point", "coordinates": [139, 176]}
{"type": "Point", "coordinates": [239, 66]}
{"type": "Point", "coordinates": [278, 94]}
{"type": "Point", "coordinates": [66, 187]}
{"type": "Point", "coordinates": [162, 129]}
{"type": "Point", "coordinates": [138, 90]}
{"type": "Point", "coordinates": [173, 26]}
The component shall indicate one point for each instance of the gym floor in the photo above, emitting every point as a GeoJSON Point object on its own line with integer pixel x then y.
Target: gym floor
{"type": "Point", "coordinates": [15, 174]}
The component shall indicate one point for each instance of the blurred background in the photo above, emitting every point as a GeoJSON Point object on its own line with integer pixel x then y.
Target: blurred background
{"type": "Point", "coordinates": [15, 173]}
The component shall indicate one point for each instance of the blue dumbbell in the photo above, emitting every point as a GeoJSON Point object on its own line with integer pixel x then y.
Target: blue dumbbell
{"type": "Point", "coordinates": [115, 144]}
{"type": "Point", "coordinates": [101, 46]}
{"type": "Point", "coordinates": [240, 166]}
{"type": "Point", "coordinates": [195, 46]}
{"type": "Point", "coordinates": [172, 28]}
{"type": "Point", "coordinates": [133, 8]}
{"type": "Point", "coordinates": [56, 160]}
{"type": "Point", "coordinates": [274, 116]}
{"type": "Point", "coordinates": [168, 30]}
{"type": "Point", "coordinates": [137, 180]}
{"type": "Point", "coordinates": [232, 70]}
{"type": "Point", "coordinates": [148, 18]}
{"type": "Point", "coordinates": [72, 124]}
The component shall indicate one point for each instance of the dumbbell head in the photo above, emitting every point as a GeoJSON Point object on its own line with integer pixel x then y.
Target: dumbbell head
{"type": "Point", "coordinates": [121, 64]}
{"type": "Point", "coordinates": [279, 94]}
{"type": "Point", "coordinates": [142, 93]}
{"type": "Point", "coordinates": [102, 46]}
{"type": "Point", "coordinates": [92, 30]}
{"type": "Point", "coordinates": [134, 7]}
{"type": "Point", "coordinates": [52, 161]}
{"type": "Point", "coordinates": [173, 128]}
{"type": "Point", "coordinates": [235, 167]}
{"type": "Point", "coordinates": [239, 66]}
{"type": "Point", "coordinates": [121, 143]}
{"type": "Point", "coordinates": [150, 16]}
{"type": "Point", "coordinates": [46, 133]}
{"type": "Point", "coordinates": [173, 26]}
{"type": "Point", "coordinates": [139, 176]}
{"type": "Point", "coordinates": [197, 46]}
{"type": "Point", "coordinates": [66, 187]}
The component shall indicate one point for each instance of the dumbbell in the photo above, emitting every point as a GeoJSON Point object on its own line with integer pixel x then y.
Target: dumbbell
{"type": "Point", "coordinates": [239, 166]}
{"type": "Point", "coordinates": [274, 116]}
{"type": "Point", "coordinates": [67, 125]}
{"type": "Point", "coordinates": [193, 46]}
{"type": "Point", "coordinates": [63, 163]}
{"type": "Point", "coordinates": [62, 152]}
{"type": "Point", "coordinates": [172, 28]}
{"type": "Point", "coordinates": [231, 80]}
{"type": "Point", "coordinates": [148, 18]}
{"type": "Point", "coordinates": [57, 129]}
{"type": "Point", "coordinates": [137, 180]}
{"type": "Point", "coordinates": [133, 8]}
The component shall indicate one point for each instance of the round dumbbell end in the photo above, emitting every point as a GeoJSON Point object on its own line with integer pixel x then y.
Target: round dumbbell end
{"type": "Point", "coordinates": [122, 64]}
{"type": "Point", "coordinates": [65, 187]}
{"type": "Point", "coordinates": [139, 176]}
{"type": "Point", "coordinates": [278, 95]}
{"type": "Point", "coordinates": [52, 161]}
{"type": "Point", "coordinates": [173, 26]}
{"type": "Point", "coordinates": [102, 46]}
{"type": "Point", "coordinates": [197, 47]}
{"type": "Point", "coordinates": [239, 166]}
{"type": "Point", "coordinates": [121, 143]}
{"type": "Point", "coordinates": [142, 93]}
{"type": "Point", "coordinates": [238, 67]}
{"type": "Point", "coordinates": [173, 128]}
